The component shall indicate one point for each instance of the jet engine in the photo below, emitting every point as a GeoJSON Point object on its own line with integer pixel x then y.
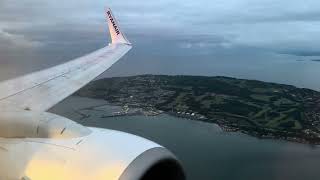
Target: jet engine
{"type": "Point", "coordinates": [45, 146]}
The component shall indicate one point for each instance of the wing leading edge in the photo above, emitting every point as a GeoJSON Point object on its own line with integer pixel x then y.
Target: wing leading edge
{"type": "Point", "coordinates": [41, 90]}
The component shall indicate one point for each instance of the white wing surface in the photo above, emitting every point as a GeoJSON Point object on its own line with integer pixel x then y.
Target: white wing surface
{"type": "Point", "coordinates": [41, 90]}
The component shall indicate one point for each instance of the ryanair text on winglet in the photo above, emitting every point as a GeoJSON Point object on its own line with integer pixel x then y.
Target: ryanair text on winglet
{"type": "Point", "coordinates": [113, 23]}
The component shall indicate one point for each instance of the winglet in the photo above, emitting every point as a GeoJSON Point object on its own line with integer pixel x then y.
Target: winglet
{"type": "Point", "coordinates": [116, 35]}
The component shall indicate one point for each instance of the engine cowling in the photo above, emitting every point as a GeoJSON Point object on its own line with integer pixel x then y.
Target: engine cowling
{"type": "Point", "coordinates": [44, 146]}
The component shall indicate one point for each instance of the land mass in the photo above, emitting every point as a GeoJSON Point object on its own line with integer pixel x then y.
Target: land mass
{"type": "Point", "coordinates": [260, 109]}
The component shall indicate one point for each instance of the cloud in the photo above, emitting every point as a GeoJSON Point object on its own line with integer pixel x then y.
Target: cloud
{"type": "Point", "coordinates": [268, 24]}
{"type": "Point", "coordinates": [203, 42]}
{"type": "Point", "coordinates": [17, 41]}
{"type": "Point", "coordinates": [277, 26]}
{"type": "Point", "coordinates": [59, 30]}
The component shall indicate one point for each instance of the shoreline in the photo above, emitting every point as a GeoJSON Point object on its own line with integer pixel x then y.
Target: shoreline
{"type": "Point", "coordinates": [259, 109]}
{"type": "Point", "coordinates": [138, 111]}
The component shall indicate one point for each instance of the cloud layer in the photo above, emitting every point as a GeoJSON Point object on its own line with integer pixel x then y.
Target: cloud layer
{"type": "Point", "coordinates": [283, 26]}
{"type": "Point", "coordinates": [50, 32]}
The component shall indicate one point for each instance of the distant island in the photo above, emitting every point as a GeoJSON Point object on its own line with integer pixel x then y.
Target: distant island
{"type": "Point", "coordinates": [260, 109]}
{"type": "Point", "coordinates": [314, 60]}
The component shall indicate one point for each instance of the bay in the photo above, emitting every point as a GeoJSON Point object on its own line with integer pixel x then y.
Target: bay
{"type": "Point", "coordinates": [206, 152]}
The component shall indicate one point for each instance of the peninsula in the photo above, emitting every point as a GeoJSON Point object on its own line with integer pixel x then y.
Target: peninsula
{"type": "Point", "coordinates": [260, 109]}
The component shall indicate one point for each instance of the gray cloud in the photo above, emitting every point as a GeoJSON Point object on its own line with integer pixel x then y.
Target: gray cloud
{"type": "Point", "coordinates": [35, 34]}
{"type": "Point", "coordinates": [16, 41]}
{"type": "Point", "coordinates": [268, 24]}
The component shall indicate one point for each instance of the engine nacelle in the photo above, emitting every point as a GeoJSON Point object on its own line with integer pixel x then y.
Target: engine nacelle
{"type": "Point", "coordinates": [44, 146]}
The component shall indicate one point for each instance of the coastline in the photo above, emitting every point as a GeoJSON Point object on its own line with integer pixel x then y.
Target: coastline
{"type": "Point", "coordinates": [260, 109]}
{"type": "Point", "coordinates": [134, 111]}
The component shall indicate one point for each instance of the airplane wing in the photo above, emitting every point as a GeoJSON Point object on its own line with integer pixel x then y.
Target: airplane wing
{"type": "Point", "coordinates": [41, 90]}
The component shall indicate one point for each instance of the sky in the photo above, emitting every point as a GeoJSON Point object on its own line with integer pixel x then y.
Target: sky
{"type": "Point", "coordinates": [239, 38]}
